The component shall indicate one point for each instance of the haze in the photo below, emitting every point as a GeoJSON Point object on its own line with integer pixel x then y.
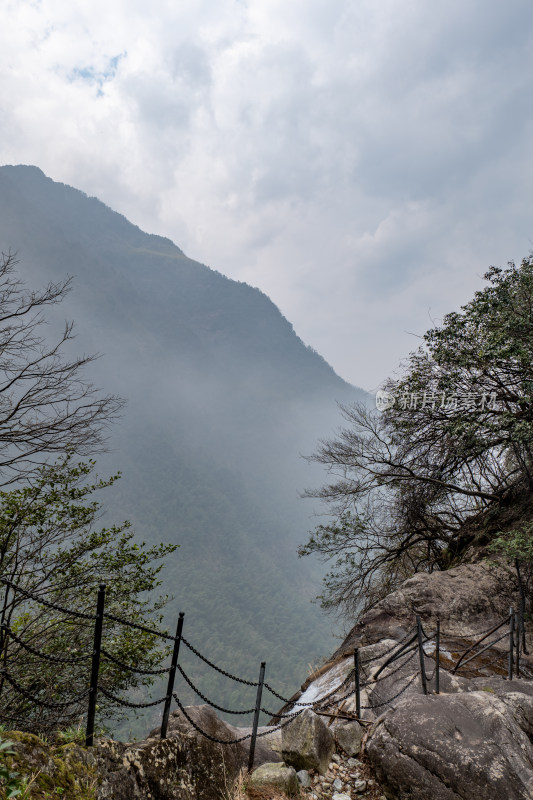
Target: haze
{"type": "Point", "coordinates": [362, 163]}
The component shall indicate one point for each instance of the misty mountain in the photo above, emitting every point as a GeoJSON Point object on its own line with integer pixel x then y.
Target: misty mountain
{"type": "Point", "coordinates": [223, 400]}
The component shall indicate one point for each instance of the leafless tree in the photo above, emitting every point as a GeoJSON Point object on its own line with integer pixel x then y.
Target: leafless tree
{"type": "Point", "coordinates": [414, 487]}
{"type": "Point", "coordinates": [47, 405]}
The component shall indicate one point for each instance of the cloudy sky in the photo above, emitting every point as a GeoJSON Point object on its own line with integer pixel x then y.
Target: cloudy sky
{"type": "Point", "coordinates": [361, 161]}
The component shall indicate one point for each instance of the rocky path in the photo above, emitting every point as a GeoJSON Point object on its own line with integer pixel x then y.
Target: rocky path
{"type": "Point", "coordinates": [346, 779]}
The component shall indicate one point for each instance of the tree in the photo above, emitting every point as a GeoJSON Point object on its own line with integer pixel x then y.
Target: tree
{"type": "Point", "coordinates": [50, 548]}
{"type": "Point", "coordinates": [47, 406]}
{"type": "Point", "coordinates": [413, 487]}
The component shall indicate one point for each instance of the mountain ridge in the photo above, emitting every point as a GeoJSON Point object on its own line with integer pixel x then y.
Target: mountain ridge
{"type": "Point", "coordinates": [223, 399]}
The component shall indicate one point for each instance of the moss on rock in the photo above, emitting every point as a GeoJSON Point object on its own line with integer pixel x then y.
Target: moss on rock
{"type": "Point", "coordinates": [67, 771]}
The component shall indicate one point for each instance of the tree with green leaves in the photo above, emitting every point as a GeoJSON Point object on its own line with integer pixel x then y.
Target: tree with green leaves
{"type": "Point", "coordinates": [52, 548]}
{"type": "Point", "coordinates": [412, 485]}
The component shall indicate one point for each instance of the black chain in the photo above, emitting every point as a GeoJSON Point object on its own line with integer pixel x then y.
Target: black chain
{"type": "Point", "coordinates": [280, 696]}
{"type": "Point", "coordinates": [203, 733]}
{"type": "Point", "coordinates": [477, 634]}
{"type": "Point", "coordinates": [284, 724]}
{"type": "Point", "coordinates": [281, 714]}
{"type": "Point", "coordinates": [321, 705]}
{"type": "Point", "coordinates": [45, 656]}
{"type": "Point", "coordinates": [209, 702]}
{"type": "Point", "coordinates": [391, 699]}
{"type": "Point", "coordinates": [314, 702]}
{"type": "Point", "coordinates": [392, 672]}
{"type": "Point", "coordinates": [143, 628]}
{"type": "Point", "coordinates": [134, 669]}
{"type": "Point", "coordinates": [167, 636]}
{"type": "Point", "coordinates": [409, 633]}
{"type": "Point", "coordinates": [38, 702]}
{"type": "Point", "coordinates": [242, 738]}
{"type": "Point", "coordinates": [214, 666]}
{"type": "Point", "coordinates": [380, 655]}
{"type": "Point", "coordinates": [127, 704]}
{"type": "Point", "coordinates": [350, 674]}
{"type": "Point", "coordinates": [47, 603]}
{"type": "Point", "coordinates": [481, 633]}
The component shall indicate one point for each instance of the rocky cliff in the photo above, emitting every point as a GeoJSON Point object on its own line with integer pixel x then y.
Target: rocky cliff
{"type": "Point", "coordinates": [473, 739]}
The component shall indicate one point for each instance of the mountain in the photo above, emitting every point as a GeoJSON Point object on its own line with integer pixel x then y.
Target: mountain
{"type": "Point", "coordinates": [223, 399]}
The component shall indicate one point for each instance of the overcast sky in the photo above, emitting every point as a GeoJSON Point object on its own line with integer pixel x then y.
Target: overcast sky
{"type": "Point", "coordinates": [361, 161]}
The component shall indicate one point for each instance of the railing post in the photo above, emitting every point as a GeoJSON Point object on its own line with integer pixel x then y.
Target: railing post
{"type": "Point", "coordinates": [437, 658]}
{"type": "Point", "coordinates": [511, 644]}
{"type": "Point", "coordinates": [357, 683]}
{"type": "Point", "coordinates": [93, 690]}
{"type": "Point", "coordinates": [172, 675]}
{"type": "Point", "coordinates": [518, 632]}
{"type": "Point", "coordinates": [523, 627]}
{"type": "Point", "coordinates": [256, 716]}
{"type": "Point", "coordinates": [7, 586]}
{"type": "Point", "coordinates": [421, 655]}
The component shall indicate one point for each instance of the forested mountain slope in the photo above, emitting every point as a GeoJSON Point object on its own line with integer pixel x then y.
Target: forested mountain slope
{"type": "Point", "coordinates": [223, 398]}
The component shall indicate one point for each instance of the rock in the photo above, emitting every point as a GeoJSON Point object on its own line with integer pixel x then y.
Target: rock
{"type": "Point", "coordinates": [360, 786]}
{"type": "Point", "coordinates": [207, 720]}
{"type": "Point", "coordinates": [274, 776]}
{"type": "Point", "coordinates": [470, 745]}
{"type": "Point", "coordinates": [337, 784]}
{"type": "Point", "coordinates": [62, 770]}
{"type": "Point", "coordinates": [354, 762]}
{"type": "Point", "coordinates": [304, 779]}
{"type": "Point", "coordinates": [307, 743]}
{"type": "Point", "coordinates": [336, 758]}
{"type": "Point", "coordinates": [341, 796]}
{"type": "Point", "coordinates": [348, 736]}
{"type": "Point", "coordinates": [178, 768]}
{"type": "Point", "coordinates": [468, 598]}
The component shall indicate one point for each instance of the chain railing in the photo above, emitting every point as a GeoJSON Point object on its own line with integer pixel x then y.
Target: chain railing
{"type": "Point", "coordinates": [362, 675]}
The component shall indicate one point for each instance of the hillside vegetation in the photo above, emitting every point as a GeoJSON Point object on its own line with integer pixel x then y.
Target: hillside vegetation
{"type": "Point", "coordinates": [223, 399]}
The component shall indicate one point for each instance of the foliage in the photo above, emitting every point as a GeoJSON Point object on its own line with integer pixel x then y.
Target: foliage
{"type": "Point", "coordinates": [517, 548]}
{"type": "Point", "coordinates": [11, 782]}
{"type": "Point", "coordinates": [409, 485]}
{"type": "Point", "coordinates": [51, 547]}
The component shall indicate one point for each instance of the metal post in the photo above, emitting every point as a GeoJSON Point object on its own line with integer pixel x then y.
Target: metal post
{"type": "Point", "coordinates": [523, 627]}
{"type": "Point", "coordinates": [172, 675]}
{"type": "Point", "coordinates": [256, 716]}
{"type": "Point", "coordinates": [517, 654]}
{"type": "Point", "coordinates": [357, 684]}
{"type": "Point", "coordinates": [421, 655]}
{"type": "Point", "coordinates": [437, 658]}
{"type": "Point", "coordinates": [511, 644]}
{"type": "Point", "coordinates": [93, 691]}
{"type": "Point", "coordinates": [3, 620]}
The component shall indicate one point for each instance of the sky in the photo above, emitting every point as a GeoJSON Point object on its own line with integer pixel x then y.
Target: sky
{"type": "Point", "coordinates": [361, 162]}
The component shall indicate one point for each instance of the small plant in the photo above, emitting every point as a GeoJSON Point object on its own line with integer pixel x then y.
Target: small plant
{"type": "Point", "coordinates": [10, 781]}
{"type": "Point", "coordinates": [72, 734]}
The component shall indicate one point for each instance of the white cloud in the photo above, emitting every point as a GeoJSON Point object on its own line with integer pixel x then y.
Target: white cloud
{"type": "Point", "coordinates": [362, 163]}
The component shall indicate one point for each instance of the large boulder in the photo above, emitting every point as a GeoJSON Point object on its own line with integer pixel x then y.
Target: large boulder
{"type": "Point", "coordinates": [471, 745]}
{"type": "Point", "coordinates": [307, 743]}
{"type": "Point", "coordinates": [206, 719]}
{"type": "Point", "coordinates": [274, 776]}
{"type": "Point", "coordinates": [468, 599]}
{"type": "Point", "coordinates": [348, 735]}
